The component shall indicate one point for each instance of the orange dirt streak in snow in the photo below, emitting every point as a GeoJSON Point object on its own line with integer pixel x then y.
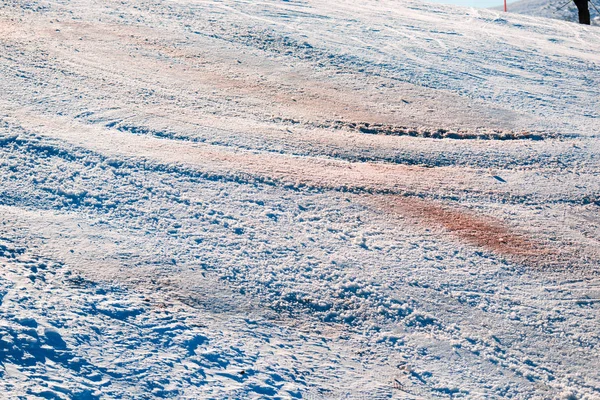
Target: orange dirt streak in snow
{"type": "Point", "coordinates": [480, 231]}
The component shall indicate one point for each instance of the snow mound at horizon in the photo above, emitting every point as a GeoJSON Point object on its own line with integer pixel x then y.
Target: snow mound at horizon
{"type": "Point", "coordinates": [551, 9]}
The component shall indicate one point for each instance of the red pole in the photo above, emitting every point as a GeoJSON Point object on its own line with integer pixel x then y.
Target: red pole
{"type": "Point", "coordinates": [505, 8]}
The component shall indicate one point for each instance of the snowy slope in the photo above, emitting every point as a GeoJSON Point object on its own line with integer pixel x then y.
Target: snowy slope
{"type": "Point", "coordinates": [297, 199]}
{"type": "Point", "coordinates": [552, 9]}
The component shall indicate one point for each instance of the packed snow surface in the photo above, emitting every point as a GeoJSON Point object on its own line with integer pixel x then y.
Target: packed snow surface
{"type": "Point", "coordinates": [297, 199]}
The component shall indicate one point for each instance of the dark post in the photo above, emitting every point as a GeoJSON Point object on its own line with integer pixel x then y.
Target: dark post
{"type": "Point", "coordinates": [584, 11]}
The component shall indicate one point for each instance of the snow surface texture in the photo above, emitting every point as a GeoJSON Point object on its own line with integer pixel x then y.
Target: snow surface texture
{"type": "Point", "coordinates": [297, 199]}
{"type": "Point", "coordinates": [563, 10]}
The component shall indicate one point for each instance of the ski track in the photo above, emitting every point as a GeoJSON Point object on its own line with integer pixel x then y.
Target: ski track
{"type": "Point", "coordinates": [240, 199]}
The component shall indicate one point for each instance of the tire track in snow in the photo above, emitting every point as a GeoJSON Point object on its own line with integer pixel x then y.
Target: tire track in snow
{"type": "Point", "coordinates": [402, 184]}
{"type": "Point", "coordinates": [315, 172]}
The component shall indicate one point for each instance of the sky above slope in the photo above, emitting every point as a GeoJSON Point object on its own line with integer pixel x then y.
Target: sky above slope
{"type": "Point", "coordinates": [471, 3]}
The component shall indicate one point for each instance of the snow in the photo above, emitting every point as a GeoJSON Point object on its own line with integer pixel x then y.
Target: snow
{"type": "Point", "coordinates": [566, 11]}
{"type": "Point", "coordinates": [297, 199]}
